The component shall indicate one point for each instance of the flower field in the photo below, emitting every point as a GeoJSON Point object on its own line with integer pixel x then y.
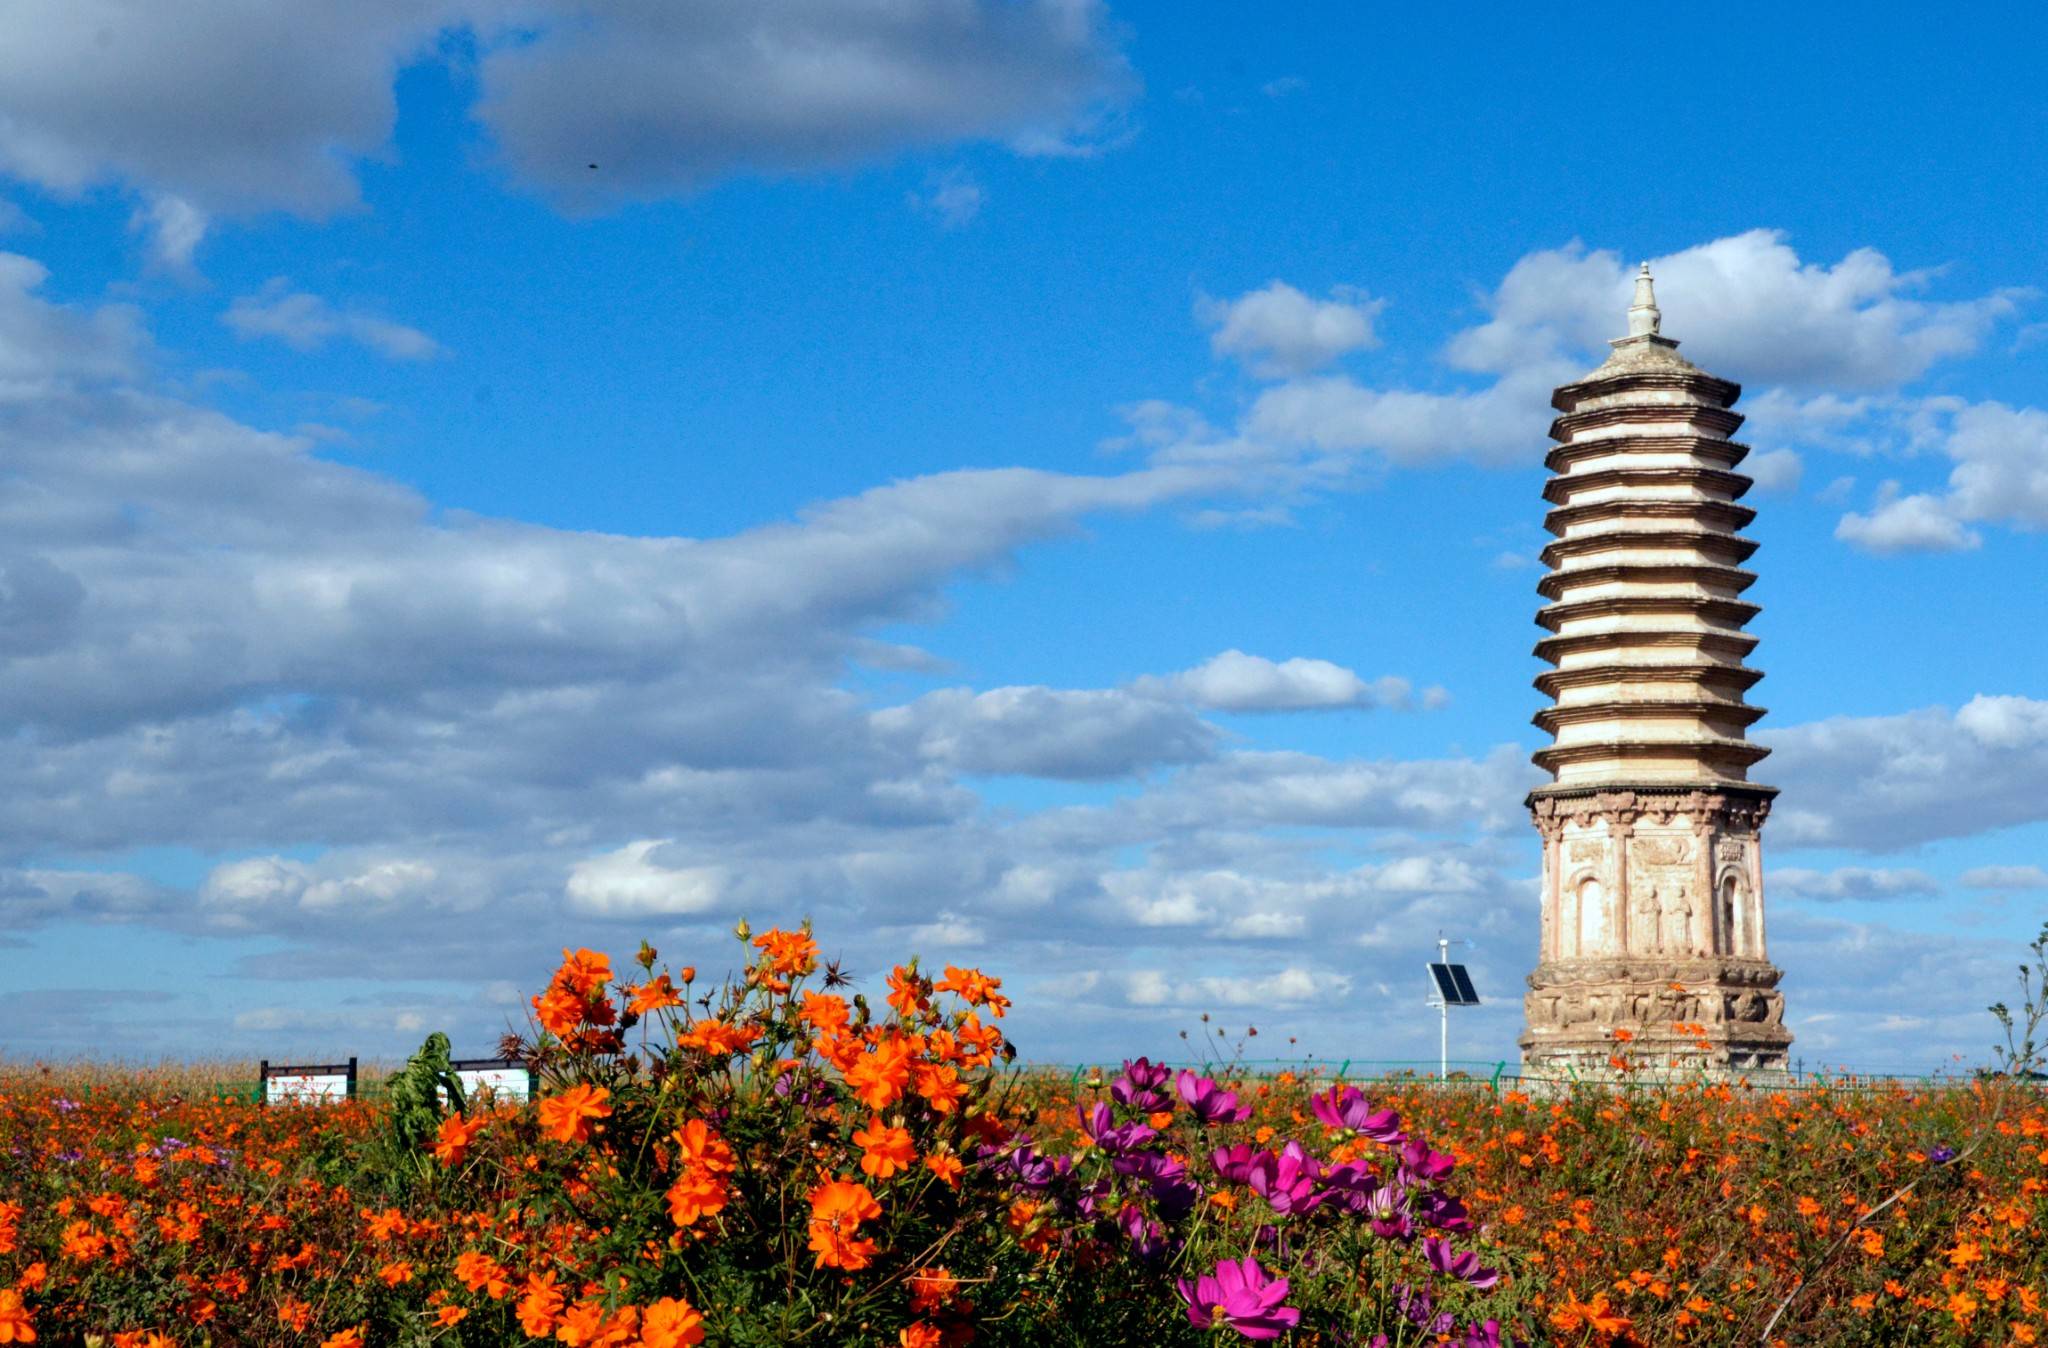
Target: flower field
{"type": "Point", "coordinates": [778, 1160]}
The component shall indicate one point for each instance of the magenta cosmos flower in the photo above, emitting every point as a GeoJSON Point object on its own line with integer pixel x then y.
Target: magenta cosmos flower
{"type": "Point", "coordinates": [1344, 1107]}
{"type": "Point", "coordinates": [1209, 1102]}
{"type": "Point", "coordinates": [1239, 1294]}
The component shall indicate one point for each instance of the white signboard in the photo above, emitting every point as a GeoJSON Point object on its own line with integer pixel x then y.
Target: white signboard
{"type": "Point", "coordinates": [506, 1085]}
{"type": "Point", "coordinates": [310, 1088]}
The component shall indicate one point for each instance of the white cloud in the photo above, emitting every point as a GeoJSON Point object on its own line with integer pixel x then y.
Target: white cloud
{"type": "Point", "coordinates": [631, 882]}
{"type": "Point", "coordinates": [1234, 681]}
{"type": "Point", "coordinates": [1775, 470]}
{"type": "Point", "coordinates": [1278, 331]}
{"type": "Point", "coordinates": [175, 228]}
{"type": "Point", "coordinates": [264, 892]}
{"type": "Point", "coordinates": [952, 199]}
{"type": "Point", "coordinates": [945, 932]}
{"type": "Point", "coordinates": [2001, 471]}
{"type": "Point", "coordinates": [1881, 783]}
{"type": "Point", "coordinates": [2005, 877]}
{"type": "Point", "coordinates": [1336, 415]}
{"type": "Point", "coordinates": [1850, 882]}
{"type": "Point", "coordinates": [1077, 734]}
{"type": "Point", "coordinates": [1291, 986]}
{"type": "Point", "coordinates": [664, 98]}
{"type": "Point", "coordinates": [660, 97]}
{"type": "Point", "coordinates": [1915, 523]}
{"type": "Point", "coordinates": [1284, 86]}
{"type": "Point", "coordinates": [306, 322]}
{"type": "Point", "coordinates": [160, 96]}
{"type": "Point", "coordinates": [1746, 306]}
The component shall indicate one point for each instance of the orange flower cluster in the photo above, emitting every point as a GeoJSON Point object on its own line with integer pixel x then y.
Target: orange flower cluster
{"type": "Point", "coordinates": [838, 1207]}
{"type": "Point", "coordinates": [576, 1008]}
{"type": "Point", "coordinates": [1649, 1213]}
{"type": "Point", "coordinates": [702, 1163]}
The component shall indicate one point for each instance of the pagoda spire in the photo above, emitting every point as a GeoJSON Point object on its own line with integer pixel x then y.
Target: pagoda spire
{"type": "Point", "coordinates": [1652, 880]}
{"type": "Point", "coordinates": [1644, 318]}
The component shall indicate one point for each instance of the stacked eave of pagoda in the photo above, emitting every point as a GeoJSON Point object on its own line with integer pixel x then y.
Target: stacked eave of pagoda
{"type": "Point", "coordinates": [1644, 605]}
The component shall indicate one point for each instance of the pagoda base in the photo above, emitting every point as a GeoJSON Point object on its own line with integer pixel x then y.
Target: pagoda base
{"type": "Point", "coordinates": [1689, 1016]}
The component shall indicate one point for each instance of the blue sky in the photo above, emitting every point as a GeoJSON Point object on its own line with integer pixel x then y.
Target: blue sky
{"type": "Point", "coordinates": [1035, 483]}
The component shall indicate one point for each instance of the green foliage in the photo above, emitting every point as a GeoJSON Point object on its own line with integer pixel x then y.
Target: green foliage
{"type": "Point", "coordinates": [2023, 1053]}
{"type": "Point", "coordinates": [418, 1098]}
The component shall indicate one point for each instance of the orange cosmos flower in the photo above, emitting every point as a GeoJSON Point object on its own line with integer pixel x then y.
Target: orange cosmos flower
{"type": "Point", "coordinates": [585, 1325]}
{"type": "Point", "coordinates": [386, 1225]}
{"type": "Point", "coordinates": [946, 1166]}
{"type": "Point", "coordinates": [654, 996]}
{"type": "Point", "coordinates": [698, 1146]}
{"type": "Point", "coordinates": [906, 991]}
{"type": "Point", "coordinates": [34, 1276]}
{"type": "Point", "coordinates": [295, 1314]}
{"type": "Point", "coordinates": [918, 1335]}
{"type": "Point", "coordinates": [83, 1243]}
{"type": "Point", "coordinates": [347, 1338]}
{"type": "Point", "coordinates": [790, 953]}
{"type": "Point", "coordinates": [671, 1323]}
{"type": "Point", "coordinates": [585, 973]}
{"type": "Point", "coordinates": [696, 1196]}
{"type": "Point", "coordinates": [978, 1043]}
{"type": "Point", "coordinates": [975, 988]}
{"type": "Point", "coordinates": [450, 1315]}
{"type": "Point", "coordinates": [481, 1273]}
{"type": "Point", "coordinates": [931, 1288]}
{"type": "Point", "coordinates": [540, 1306]}
{"type": "Point", "coordinates": [456, 1134]}
{"type": "Point", "coordinates": [181, 1225]}
{"type": "Point", "coordinates": [838, 1207]}
{"type": "Point", "coordinates": [567, 1117]}
{"type": "Point", "coordinates": [559, 1011]}
{"type": "Point", "coordinates": [394, 1273]}
{"type": "Point", "coordinates": [940, 1086]}
{"type": "Point", "coordinates": [884, 1150]}
{"type": "Point", "coordinates": [824, 1012]}
{"type": "Point", "coordinates": [879, 1077]}
{"type": "Point", "coordinates": [720, 1039]}
{"type": "Point", "coordinates": [15, 1324]}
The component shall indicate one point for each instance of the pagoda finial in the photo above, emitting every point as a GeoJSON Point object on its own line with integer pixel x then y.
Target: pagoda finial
{"type": "Point", "coordinates": [1643, 316]}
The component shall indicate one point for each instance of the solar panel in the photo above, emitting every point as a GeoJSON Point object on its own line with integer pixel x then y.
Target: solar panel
{"type": "Point", "coordinates": [1465, 989]}
{"type": "Point", "coordinates": [1454, 985]}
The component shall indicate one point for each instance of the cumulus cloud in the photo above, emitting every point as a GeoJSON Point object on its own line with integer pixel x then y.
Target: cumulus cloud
{"type": "Point", "coordinates": [664, 98]}
{"type": "Point", "coordinates": [1234, 681]}
{"type": "Point", "coordinates": [1801, 334]}
{"type": "Point", "coordinates": [1850, 882]}
{"type": "Point", "coordinates": [1775, 469]}
{"type": "Point", "coordinates": [1881, 783]}
{"type": "Point", "coordinates": [659, 97]}
{"type": "Point", "coordinates": [2005, 877]}
{"type": "Point", "coordinates": [2000, 476]}
{"type": "Point", "coordinates": [306, 322]}
{"type": "Point", "coordinates": [1278, 331]}
{"type": "Point", "coordinates": [1291, 986]}
{"type": "Point", "coordinates": [1747, 306]}
{"type": "Point", "coordinates": [1915, 523]}
{"type": "Point", "coordinates": [632, 882]}
{"type": "Point", "coordinates": [175, 228]}
{"type": "Point", "coordinates": [1073, 734]}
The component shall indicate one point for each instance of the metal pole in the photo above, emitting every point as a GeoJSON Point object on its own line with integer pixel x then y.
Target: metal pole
{"type": "Point", "coordinates": [1443, 1069]}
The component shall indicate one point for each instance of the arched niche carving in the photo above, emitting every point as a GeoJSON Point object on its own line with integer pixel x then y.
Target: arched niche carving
{"type": "Point", "coordinates": [1731, 911]}
{"type": "Point", "coordinates": [1588, 928]}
